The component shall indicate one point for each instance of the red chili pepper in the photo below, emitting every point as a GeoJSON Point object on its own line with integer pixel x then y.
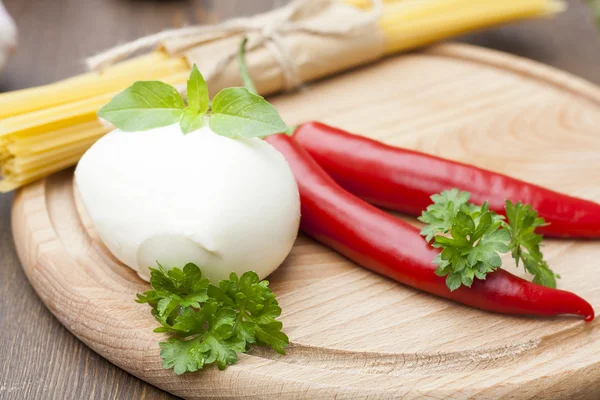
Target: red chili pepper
{"type": "Point", "coordinates": [404, 180]}
{"type": "Point", "coordinates": [391, 247]}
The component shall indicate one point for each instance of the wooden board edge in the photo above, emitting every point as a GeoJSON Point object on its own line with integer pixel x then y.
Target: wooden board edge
{"type": "Point", "coordinates": [519, 65]}
{"type": "Point", "coordinates": [473, 53]}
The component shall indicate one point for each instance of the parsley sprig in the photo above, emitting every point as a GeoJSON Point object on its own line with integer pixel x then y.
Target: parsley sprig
{"type": "Point", "coordinates": [472, 238]}
{"type": "Point", "coordinates": [234, 112]}
{"type": "Point", "coordinates": [211, 324]}
{"type": "Point", "coordinates": [525, 243]}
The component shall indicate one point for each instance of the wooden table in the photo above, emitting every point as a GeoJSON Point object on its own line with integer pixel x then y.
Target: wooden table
{"type": "Point", "coordinates": [40, 358]}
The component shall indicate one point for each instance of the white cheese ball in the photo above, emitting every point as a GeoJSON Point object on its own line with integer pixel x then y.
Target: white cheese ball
{"type": "Point", "coordinates": [227, 205]}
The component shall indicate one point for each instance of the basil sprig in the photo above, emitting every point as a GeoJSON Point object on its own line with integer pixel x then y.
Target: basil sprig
{"type": "Point", "coordinates": [235, 112]}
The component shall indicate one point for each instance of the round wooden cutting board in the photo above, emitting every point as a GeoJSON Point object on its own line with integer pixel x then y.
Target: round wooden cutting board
{"type": "Point", "coordinates": [355, 334]}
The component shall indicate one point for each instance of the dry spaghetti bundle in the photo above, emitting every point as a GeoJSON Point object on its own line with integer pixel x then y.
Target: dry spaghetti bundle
{"type": "Point", "coordinates": [46, 129]}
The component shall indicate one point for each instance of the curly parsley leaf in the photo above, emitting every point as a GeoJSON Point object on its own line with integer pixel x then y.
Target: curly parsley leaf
{"type": "Point", "coordinates": [210, 340]}
{"type": "Point", "coordinates": [471, 239]}
{"type": "Point", "coordinates": [257, 309]}
{"type": "Point", "coordinates": [471, 248]}
{"type": "Point", "coordinates": [542, 274]}
{"type": "Point", "coordinates": [182, 355]}
{"type": "Point", "coordinates": [221, 345]}
{"type": "Point", "coordinates": [211, 324]}
{"type": "Point", "coordinates": [176, 287]}
{"type": "Point", "coordinates": [525, 243]}
{"type": "Point", "coordinates": [440, 215]}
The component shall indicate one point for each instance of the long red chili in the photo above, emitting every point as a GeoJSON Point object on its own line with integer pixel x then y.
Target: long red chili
{"type": "Point", "coordinates": [403, 180]}
{"type": "Point", "coordinates": [391, 247]}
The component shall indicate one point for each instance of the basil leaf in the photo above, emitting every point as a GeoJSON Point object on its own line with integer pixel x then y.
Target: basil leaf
{"type": "Point", "coordinates": [197, 91]}
{"type": "Point", "coordinates": [238, 113]}
{"type": "Point", "coordinates": [192, 120]}
{"type": "Point", "coordinates": [144, 105]}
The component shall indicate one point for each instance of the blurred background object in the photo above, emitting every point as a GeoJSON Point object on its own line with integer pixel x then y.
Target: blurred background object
{"type": "Point", "coordinates": [48, 128]}
{"type": "Point", "coordinates": [8, 35]}
{"type": "Point", "coordinates": [595, 5]}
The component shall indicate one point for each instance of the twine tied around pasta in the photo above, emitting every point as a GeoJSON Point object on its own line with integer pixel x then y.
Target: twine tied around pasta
{"type": "Point", "coordinates": [265, 31]}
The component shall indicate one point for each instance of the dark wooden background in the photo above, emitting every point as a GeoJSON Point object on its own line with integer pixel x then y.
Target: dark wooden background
{"type": "Point", "coordinates": [40, 359]}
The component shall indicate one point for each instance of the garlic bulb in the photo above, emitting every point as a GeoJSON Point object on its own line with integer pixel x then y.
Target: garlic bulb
{"type": "Point", "coordinates": [227, 205]}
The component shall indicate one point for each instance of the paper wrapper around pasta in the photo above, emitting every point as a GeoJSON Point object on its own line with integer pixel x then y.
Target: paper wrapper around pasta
{"type": "Point", "coordinates": [312, 55]}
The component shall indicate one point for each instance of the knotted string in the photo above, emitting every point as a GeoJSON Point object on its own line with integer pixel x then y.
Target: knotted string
{"type": "Point", "coordinates": [267, 32]}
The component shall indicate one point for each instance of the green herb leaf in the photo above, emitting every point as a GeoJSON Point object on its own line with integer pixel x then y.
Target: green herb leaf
{"type": "Point", "coordinates": [211, 324]}
{"type": "Point", "coordinates": [213, 341]}
{"type": "Point", "coordinates": [440, 215]}
{"type": "Point", "coordinates": [238, 113]}
{"type": "Point", "coordinates": [220, 344]}
{"type": "Point", "coordinates": [453, 280]}
{"type": "Point", "coordinates": [187, 322]}
{"type": "Point", "coordinates": [192, 120]}
{"type": "Point", "coordinates": [198, 102]}
{"type": "Point", "coordinates": [186, 287]}
{"type": "Point", "coordinates": [235, 112]}
{"type": "Point", "coordinates": [144, 105]}
{"type": "Point", "coordinates": [525, 243]}
{"type": "Point", "coordinates": [472, 238]}
{"type": "Point", "coordinates": [257, 309]}
{"type": "Point", "coordinates": [542, 274]}
{"type": "Point", "coordinates": [182, 355]}
{"type": "Point", "coordinates": [472, 248]}
{"type": "Point", "coordinates": [270, 334]}
{"type": "Point", "coordinates": [197, 91]}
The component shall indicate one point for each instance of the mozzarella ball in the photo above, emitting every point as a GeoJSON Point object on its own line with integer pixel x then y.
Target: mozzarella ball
{"type": "Point", "coordinates": [159, 196]}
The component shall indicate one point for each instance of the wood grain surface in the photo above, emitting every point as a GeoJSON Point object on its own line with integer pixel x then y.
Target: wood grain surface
{"type": "Point", "coordinates": [41, 359]}
{"type": "Point", "coordinates": [353, 333]}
